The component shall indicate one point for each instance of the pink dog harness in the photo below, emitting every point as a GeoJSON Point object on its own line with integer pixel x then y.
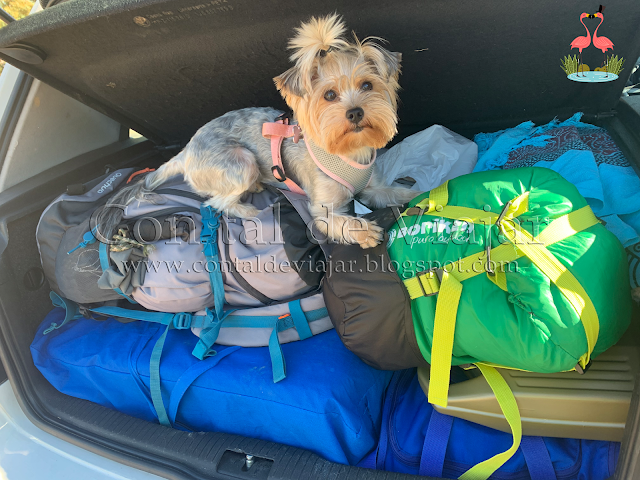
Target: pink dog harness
{"type": "Point", "coordinates": [355, 176]}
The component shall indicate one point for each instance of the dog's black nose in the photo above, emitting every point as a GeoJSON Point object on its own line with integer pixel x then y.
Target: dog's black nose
{"type": "Point", "coordinates": [355, 115]}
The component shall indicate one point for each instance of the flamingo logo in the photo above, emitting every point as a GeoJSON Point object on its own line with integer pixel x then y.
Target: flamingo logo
{"type": "Point", "coordinates": [602, 43]}
{"type": "Point", "coordinates": [574, 67]}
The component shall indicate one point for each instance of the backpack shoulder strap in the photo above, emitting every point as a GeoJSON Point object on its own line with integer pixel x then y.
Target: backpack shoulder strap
{"type": "Point", "coordinates": [301, 204]}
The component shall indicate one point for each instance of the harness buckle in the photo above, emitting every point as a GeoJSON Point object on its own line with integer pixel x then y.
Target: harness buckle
{"type": "Point", "coordinates": [182, 321]}
{"type": "Point", "coordinates": [297, 133]}
{"type": "Point", "coordinates": [276, 169]}
{"type": "Point", "coordinates": [285, 117]}
{"type": "Point", "coordinates": [438, 273]}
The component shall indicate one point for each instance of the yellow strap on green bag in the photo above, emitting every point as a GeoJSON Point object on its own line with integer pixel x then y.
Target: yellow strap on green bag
{"type": "Point", "coordinates": [442, 346]}
{"type": "Point", "coordinates": [437, 204]}
{"type": "Point", "coordinates": [509, 408]}
{"type": "Point", "coordinates": [561, 277]}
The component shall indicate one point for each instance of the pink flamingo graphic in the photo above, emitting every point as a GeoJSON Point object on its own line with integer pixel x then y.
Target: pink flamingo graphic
{"type": "Point", "coordinates": [582, 42]}
{"type": "Point", "coordinates": [602, 43]}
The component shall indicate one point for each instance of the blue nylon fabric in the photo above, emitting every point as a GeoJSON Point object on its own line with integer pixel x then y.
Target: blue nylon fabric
{"type": "Point", "coordinates": [330, 402]}
{"type": "Point", "coordinates": [408, 421]}
{"type": "Point", "coordinates": [190, 376]}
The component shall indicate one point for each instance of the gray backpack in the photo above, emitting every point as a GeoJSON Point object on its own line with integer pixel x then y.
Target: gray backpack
{"type": "Point", "coordinates": [174, 261]}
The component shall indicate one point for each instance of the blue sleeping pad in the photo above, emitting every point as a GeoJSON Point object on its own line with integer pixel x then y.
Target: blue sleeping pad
{"type": "Point", "coordinates": [330, 402]}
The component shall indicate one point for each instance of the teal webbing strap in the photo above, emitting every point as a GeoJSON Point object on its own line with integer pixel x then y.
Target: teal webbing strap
{"type": "Point", "coordinates": [154, 379]}
{"type": "Point", "coordinates": [134, 354]}
{"type": "Point", "coordinates": [71, 309]}
{"type": "Point", "coordinates": [278, 366]}
{"type": "Point", "coordinates": [104, 264]}
{"type": "Point", "coordinates": [152, 317]}
{"type": "Point", "coordinates": [190, 376]}
{"type": "Point", "coordinates": [300, 320]}
{"type": "Point", "coordinates": [235, 320]}
{"type": "Point", "coordinates": [232, 319]}
{"type": "Point", "coordinates": [209, 240]}
{"type": "Point", "coordinates": [208, 336]}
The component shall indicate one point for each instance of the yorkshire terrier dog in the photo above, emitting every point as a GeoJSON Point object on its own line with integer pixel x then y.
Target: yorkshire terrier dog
{"type": "Point", "coordinates": [344, 97]}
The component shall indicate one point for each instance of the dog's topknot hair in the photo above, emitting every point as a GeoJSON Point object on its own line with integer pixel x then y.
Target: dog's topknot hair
{"type": "Point", "coordinates": [315, 36]}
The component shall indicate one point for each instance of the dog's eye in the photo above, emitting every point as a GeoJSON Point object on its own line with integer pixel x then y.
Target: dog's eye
{"type": "Point", "coordinates": [366, 86]}
{"type": "Point", "coordinates": [330, 95]}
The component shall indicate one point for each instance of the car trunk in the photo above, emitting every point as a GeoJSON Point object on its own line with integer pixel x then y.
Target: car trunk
{"type": "Point", "coordinates": [165, 68]}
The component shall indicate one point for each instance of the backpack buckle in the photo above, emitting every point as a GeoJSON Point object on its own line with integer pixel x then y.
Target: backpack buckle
{"type": "Point", "coordinates": [438, 274]}
{"type": "Point", "coordinates": [182, 321]}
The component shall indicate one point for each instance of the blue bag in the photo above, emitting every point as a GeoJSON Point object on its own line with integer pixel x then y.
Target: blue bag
{"type": "Point", "coordinates": [417, 439]}
{"type": "Point", "coordinates": [330, 402]}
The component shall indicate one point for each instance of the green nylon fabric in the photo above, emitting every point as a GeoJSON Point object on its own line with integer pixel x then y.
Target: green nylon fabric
{"type": "Point", "coordinates": [531, 326]}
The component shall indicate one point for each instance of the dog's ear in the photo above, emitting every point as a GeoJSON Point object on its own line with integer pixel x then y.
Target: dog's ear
{"type": "Point", "coordinates": [385, 62]}
{"type": "Point", "coordinates": [289, 84]}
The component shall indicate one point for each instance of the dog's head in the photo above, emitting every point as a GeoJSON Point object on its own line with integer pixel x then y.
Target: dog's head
{"type": "Point", "coordinates": [344, 95]}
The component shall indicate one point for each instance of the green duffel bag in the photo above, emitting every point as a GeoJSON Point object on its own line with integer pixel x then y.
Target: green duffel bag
{"type": "Point", "coordinates": [504, 268]}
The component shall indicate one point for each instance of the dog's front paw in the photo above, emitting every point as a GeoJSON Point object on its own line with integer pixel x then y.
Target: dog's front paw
{"type": "Point", "coordinates": [236, 210]}
{"type": "Point", "coordinates": [367, 234]}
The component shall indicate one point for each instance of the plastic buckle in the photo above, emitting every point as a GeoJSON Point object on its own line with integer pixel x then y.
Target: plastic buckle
{"type": "Point", "coordinates": [580, 370]}
{"type": "Point", "coordinates": [182, 321]}
{"type": "Point", "coordinates": [467, 366]}
{"type": "Point", "coordinates": [276, 168]}
{"type": "Point", "coordinates": [414, 211]}
{"type": "Point", "coordinates": [205, 238]}
{"type": "Point", "coordinates": [437, 271]}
